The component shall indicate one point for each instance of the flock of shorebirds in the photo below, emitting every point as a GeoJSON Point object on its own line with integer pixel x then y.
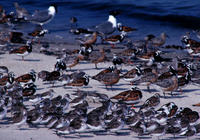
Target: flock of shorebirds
{"type": "Point", "coordinates": [165, 68]}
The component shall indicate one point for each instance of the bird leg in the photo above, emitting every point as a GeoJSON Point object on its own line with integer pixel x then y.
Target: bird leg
{"type": "Point", "coordinates": [148, 88]}
{"type": "Point", "coordinates": [96, 66]}
{"type": "Point", "coordinates": [164, 94]}
{"type": "Point", "coordinates": [22, 58]}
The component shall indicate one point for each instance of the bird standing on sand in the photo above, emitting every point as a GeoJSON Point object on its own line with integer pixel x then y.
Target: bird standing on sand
{"type": "Point", "coordinates": [23, 50]}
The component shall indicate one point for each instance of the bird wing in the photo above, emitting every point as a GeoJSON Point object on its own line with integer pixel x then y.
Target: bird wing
{"type": "Point", "coordinates": [105, 28]}
{"type": "Point", "coordinates": [20, 50]}
{"type": "Point", "coordinates": [40, 16]}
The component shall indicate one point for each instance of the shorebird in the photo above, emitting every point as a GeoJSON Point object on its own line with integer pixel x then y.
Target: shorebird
{"type": "Point", "coordinates": [129, 96]}
{"type": "Point", "coordinates": [132, 75]}
{"type": "Point", "coordinates": [109, 26]}
{"type": "Point", "coordinates": [110, 78]}
{"type": "Point", "coordinates": [3, 111]}
{"type": "Point", "coordinates": [167, 81]}
{"type": "Point", "coordinates": [89, 41]}
{"type": "Point", "coordinates": [23, 50]}
{"type": "Point", "coordinates": [20, 11]}
{"type": "Point", "coordinates": [80, 81]}
{"type": "Point", "coordinates": [43, 17]}
{"type": "Point", "coordinates": [125, 29]}
{"type": "Point", "coordinates": [43, 74]}
{"type": "Point", "coordinates": [20, 116]}
{"type": "Point", "coordinates": [159, 41]}
{"type": "Point", "coordinates": [7, 79]}
{"type": "Point", "coordinates": [153, 101]}
{"type": "Point", "coordinates": [115, 39]}
{"type": "Point", "coordinates": [60, 65]}
{"type": "Point", "coordinates": [29, 89]}
{"type": "Point", "coordinates": [38, 32]}
{"type": "Point", "coordinates": [25, 78]}
{"type": "Point", "coordinates": [117, 60]}
{"type": "Point", "coordinates": [101, 74]}
{"type": "Point", "coordinates": [98, 57]}
{"type": "Point", "coordinates": [115, 125]}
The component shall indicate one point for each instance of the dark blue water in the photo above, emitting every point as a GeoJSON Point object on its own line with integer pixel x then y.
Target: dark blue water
{"type": "Point", "coordinates": [174, 17]}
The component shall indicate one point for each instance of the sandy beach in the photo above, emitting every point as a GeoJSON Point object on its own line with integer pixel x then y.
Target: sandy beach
{"type": "Point", "coordinates": [40, 62]}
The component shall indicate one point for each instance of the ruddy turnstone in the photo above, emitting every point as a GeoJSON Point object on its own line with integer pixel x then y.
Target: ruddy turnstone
{"type": "Point", "coordinates": [7, 79]}
{"type": "Point", "coordinates": [25, 78]}
{"type": "Point", "coordinates": [29, 89]}
{"type": "Point", "coordinates": [115, 39]}
{"type": "Point", "coordinates": [52, 77]}
{"type": "Point", "coordinates": [60, 65]}
{"type": "Point", "coordinates": [43, 16]}
{"type": "Point", "coordinates": [117, 60]}
{"type": "Point", "coordinates": [133, 74]}
{"type": "Point", "coordinates": [23, 50]}
{"type": "Point", "coordinates": [129, 96]}
{"type": "Point", "coordinates": [125, 29]}
{"type": "Point", "coordinates": [38, 32]}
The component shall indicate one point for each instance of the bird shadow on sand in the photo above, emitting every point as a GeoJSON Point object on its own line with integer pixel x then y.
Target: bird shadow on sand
{"type": "Point", "coordinates": [84, 136]}
{"type": "Point", "coordinates": [150, 90]}
{"type": "Point", "coordinates": [142, 137]}
{"type": "Point", "coordinates": [173, 138]}
{"type": "Point", "coordinates": [113, 88]}
{"type": "Point", "coordinates": [120, 133]}
{"type": "Point", "coordinates": [28, 60]}
{"type": "Point", "coordinates": [174, 96]}
{"type": "Point", "coordinates": [189, 90]}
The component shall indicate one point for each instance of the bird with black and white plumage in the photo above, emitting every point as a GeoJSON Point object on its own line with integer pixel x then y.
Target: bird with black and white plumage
{"type": "Point", "coordinates": [115, 39]}
{"type": "Point", "coordinates": [117, 60]}
{"type": "Point", "coordinates": [60, 65]}
{"type": "Point", "coordinates": [23, 50]}
{"type": "Point", "coordinates": [44, 16]}
{"type": "Point", "coordinates": [125, 29]}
